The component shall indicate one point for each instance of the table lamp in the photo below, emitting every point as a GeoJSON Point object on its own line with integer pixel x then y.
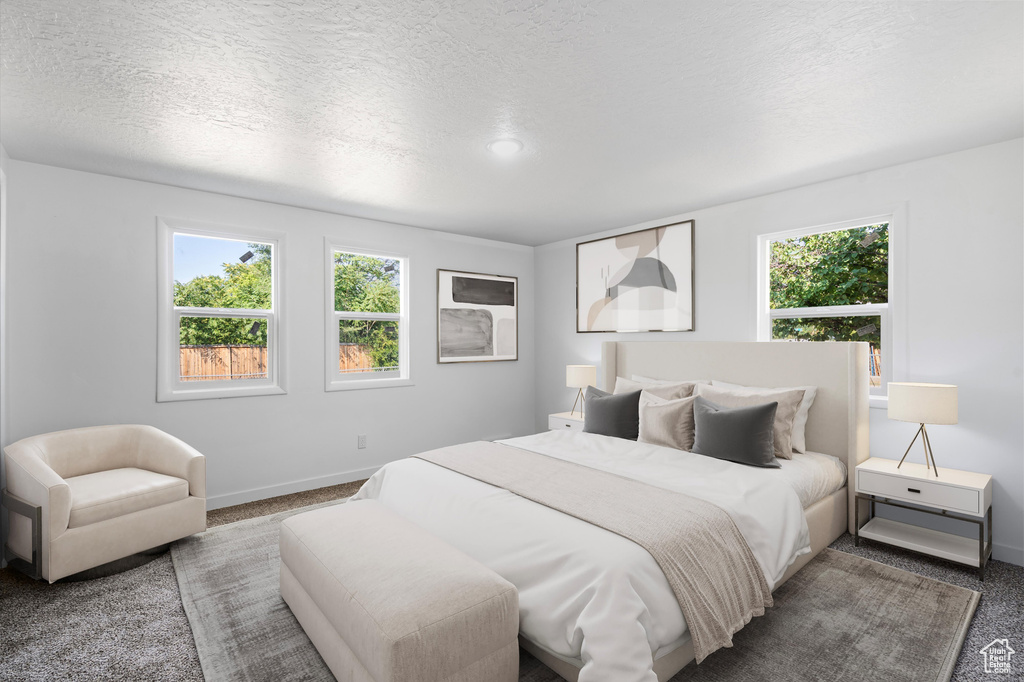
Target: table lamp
{"type": "Point", "coordinates": [922, 404]}
{"type": "Point", "coordinates": [580, 376]}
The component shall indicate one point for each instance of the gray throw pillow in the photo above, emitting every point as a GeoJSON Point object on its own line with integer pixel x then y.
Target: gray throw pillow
{"type": "Point", "coordinates": [612, 415]}
{"type": "Point", "coordinates": [745, 435]}
{"type": "Point", "coordinates": [788, 401]}
{"type": "Point", "coordinates": [799, 424]}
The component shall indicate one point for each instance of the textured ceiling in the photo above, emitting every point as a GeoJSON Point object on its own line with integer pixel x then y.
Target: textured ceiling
{"type": "Point", "coordinates": [628, 111]}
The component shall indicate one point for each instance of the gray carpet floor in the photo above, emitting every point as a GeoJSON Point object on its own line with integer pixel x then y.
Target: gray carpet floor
{"type": "Point", "coordinates": [840, 617]}
{"type": "Point", "coordinates": [132, 626]}
{"type": "Point", "coordinates": [129, 626]}
{"type": "Point", "coordinates": [275, 505]}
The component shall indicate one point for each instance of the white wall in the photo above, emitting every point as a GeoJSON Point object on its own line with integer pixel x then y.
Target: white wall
{"type": "Point", "coordinates": [82, 328]}
{"type": "Point", "coordinates": [82, 323]}
{"type": "Point", "coordinates": [964, 306]}
{"type": "Point", "coordinates": [4, 162]}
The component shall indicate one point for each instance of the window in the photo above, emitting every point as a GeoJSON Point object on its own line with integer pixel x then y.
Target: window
{"type": "Point", "coordinates": [830, 283]}
{"type": "Point", "coordinates": [219, 324]}
{"type": "Point", "coordinates": [367, 342]}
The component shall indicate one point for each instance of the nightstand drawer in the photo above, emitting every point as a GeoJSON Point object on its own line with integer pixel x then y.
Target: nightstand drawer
{"type": "Point", "coordinates": [927, 493]}
{"type": "Point", "coordinates": [557, 421]}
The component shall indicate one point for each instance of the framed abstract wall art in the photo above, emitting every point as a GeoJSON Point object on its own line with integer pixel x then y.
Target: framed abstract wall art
{"type": "Point", "coordinates": [477, 317]}
{"type": "Point", "coordinates": [636, 282]}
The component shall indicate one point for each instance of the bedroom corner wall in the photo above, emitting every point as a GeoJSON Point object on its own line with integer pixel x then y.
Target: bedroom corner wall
{"type": "Point", "coordinates": [964, 307]}
{"type": "Point", "coordinates": [83, 327]}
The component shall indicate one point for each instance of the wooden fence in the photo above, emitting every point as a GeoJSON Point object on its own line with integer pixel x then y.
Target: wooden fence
{"type": "Point", "coordinates": [213, 363]}
{"type": "Point", "coordinates": [353, 357]}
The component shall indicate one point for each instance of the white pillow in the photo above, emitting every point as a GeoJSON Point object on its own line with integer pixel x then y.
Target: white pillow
{"type": "Point", "coordinates": [668, 391]}
{"type": "Point", "coordinates": [656, 382]}
{"type": "Point", "coordinates": [800, 423]}
{"type": "Point", "coordinates": [666, 422]}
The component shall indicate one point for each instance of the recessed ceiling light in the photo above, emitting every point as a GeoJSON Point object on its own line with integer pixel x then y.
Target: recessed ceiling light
{"type": "Point", "coordinates": [506, 147]}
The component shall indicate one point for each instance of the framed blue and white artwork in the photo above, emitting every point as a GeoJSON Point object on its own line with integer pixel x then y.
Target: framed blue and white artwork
{"type": "Point", "coordinates": [636, 282]}
{"type": "Point", "coordinates": [477, 317]}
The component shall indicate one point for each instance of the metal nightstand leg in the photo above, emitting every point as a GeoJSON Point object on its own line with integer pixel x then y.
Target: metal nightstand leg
{"type": "Point", "coordinates": [856, 521]}
{"type": "Point", "coordinates": [856, 516]}
{"type": "Point", "coordinates": [984, 543]}
{"type": "Point", "coordinates": [981, 552]}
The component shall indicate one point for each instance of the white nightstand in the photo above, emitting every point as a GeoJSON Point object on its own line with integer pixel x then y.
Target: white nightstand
{"type": "Point", "coordinates": [565, 421]}
{"type": "Point", "coordinates": [960, 495]}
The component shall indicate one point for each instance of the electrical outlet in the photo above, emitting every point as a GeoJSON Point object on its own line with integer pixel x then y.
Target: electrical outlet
{"type": "Point", "coordinates": [362, 441]}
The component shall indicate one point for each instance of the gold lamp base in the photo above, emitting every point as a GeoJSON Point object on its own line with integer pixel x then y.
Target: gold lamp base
{"type": "Point", "coordinates": [581, 400]}
{"type": "Point", "coordinates": [923, 432]}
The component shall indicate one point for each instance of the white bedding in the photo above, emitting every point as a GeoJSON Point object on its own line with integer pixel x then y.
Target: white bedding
{"type": "Point", "coordinates": [586, 593]}
{"type": "Point", "coordinates": [813, 476]}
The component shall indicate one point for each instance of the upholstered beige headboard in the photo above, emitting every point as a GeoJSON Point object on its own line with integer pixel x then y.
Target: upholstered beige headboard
{"type": "Point", "coordinates": [837, 424]}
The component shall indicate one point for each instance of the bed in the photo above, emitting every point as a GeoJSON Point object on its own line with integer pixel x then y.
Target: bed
{"type": "Point", "coordinates": [595, 606]}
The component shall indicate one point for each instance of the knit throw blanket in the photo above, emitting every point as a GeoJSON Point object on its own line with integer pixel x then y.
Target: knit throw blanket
{"type": "Point", "coordinates": [712, 571]}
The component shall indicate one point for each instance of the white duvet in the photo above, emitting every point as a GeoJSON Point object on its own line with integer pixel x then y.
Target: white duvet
{"type": "Point", "coordinates": [586, 593]}
{"type": "Point", "coordinates": [813, 476]}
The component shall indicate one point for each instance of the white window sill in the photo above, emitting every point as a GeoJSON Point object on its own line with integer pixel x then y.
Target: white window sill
{"type": "Point", "coordinates": [878, 402]}
{"type": "Point", "coordinates": [364, 384]}
{"type": "Point", "coordinates": [220, 392]}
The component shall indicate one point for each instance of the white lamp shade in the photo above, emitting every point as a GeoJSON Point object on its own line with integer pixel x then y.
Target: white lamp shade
{"type": "Point", "coordinates": [580, 376]}
{"type": "Point", "coordinates": [922, 403]}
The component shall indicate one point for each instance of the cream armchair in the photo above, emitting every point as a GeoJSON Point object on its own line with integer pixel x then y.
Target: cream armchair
{"type": "Point", "coordinates": [101, 493]}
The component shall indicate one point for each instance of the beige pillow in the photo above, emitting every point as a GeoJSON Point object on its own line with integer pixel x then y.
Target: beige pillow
{"type": "Point", "coordinates": [666, 422]}
{"type": "Point", "coordinates": [800, 423]}
{"type": "Point", "coordinates": [682, 389]}
{"type": "Point", "coordinates": [785, 415]}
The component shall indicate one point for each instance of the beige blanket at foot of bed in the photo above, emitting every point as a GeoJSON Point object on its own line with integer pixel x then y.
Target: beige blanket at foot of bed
{"type": "Point", "coordinates": [712, 571]}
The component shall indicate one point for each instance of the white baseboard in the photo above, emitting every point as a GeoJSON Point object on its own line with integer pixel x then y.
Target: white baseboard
{"type": "Point", "coordinates": [243, 496]}
{"type": "Point", "coordinates": [1011, 555]}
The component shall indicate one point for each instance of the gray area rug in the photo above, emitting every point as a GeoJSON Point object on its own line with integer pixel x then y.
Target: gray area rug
{"type": "Point", "coordinates": [999, 616]}
{"type": "Point", "coordinates": [842, 617]}
{"type": "Point", "coordinates": [230, 588]}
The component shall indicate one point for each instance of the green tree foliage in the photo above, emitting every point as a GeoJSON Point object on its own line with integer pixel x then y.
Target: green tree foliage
{"type": "Point", "coordinates": [847, 267]}
{"type": "Point", "coordinates": [368, 285]}
{"type": "Point", "coordinates": [243, 285]}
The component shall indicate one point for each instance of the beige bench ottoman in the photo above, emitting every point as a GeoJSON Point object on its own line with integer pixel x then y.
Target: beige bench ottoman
{"type": "Point", "coordinates": [385, 601]}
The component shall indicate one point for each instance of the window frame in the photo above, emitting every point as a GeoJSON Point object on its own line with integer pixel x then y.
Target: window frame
{"type": "Point", "coordinates": [170, 388]}
{"type": "Point", "coordinates": [891, 314]}
{"type": "Point", "coordinates": [334, 380]}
